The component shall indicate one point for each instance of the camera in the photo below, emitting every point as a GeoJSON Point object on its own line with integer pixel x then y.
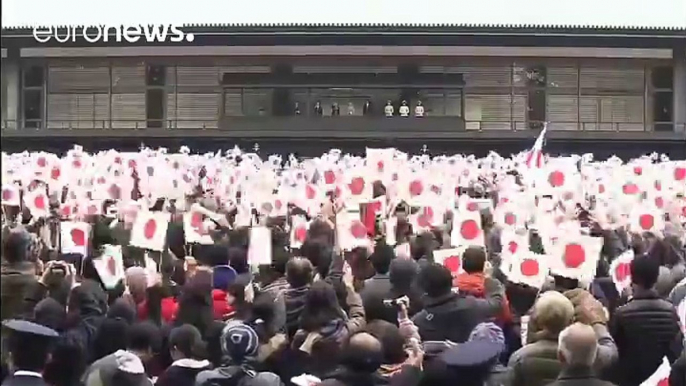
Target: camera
{"type": "Point", "coordinates": [397, 302]}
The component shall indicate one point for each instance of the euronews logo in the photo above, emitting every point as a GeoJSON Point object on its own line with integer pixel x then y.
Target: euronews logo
{"type": "Point", "coordinates": [119, 34]}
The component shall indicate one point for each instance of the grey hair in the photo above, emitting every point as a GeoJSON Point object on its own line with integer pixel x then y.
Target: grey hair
{"type": "Point", "coordinates": [576, 356]}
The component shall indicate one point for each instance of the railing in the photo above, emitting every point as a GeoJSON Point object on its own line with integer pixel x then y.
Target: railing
{"type": "Point", "coordinates": [442, 124]}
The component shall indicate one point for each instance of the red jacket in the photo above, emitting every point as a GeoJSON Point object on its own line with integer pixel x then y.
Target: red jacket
{"type": "Point", "coordinates": [170, 307]}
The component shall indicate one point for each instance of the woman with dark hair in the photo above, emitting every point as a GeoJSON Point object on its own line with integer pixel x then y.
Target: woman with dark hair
{"type": "Point", "coordinates": [195, 302]}
{"type": "Point", "coordinates": [324, 326]}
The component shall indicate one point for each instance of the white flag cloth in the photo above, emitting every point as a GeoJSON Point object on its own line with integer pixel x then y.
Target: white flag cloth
{"type": "Point", "coordinates": [661, 375]}
{"type": "Point", "coordinates": [534, 158]}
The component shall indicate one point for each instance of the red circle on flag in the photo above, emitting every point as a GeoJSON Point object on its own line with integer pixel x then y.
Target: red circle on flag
{"type": "Point", "coordinates": [659, 202]}
{"type": "Point", "coordinates": [92, 209]}
{"type": "Point", "coordinates": [300, 233]}
{"type": "Point", "coordinates": [601, 188]}
{"type": "Point", "coordinates": [679, 174]}
{"type": "Point", "coordinates": [472, 206]}
{"type": "Point", "coordinates": [39, 202]}
{"type": "Point", "coordinates": [638, 170]}
{"type": "Point", "coordinates": [556, 179]}
{"type": "Point", "coordinates": [76, 164]}
{"type": "Point", "coordinates": [278, 204]}
{"type": "Point", "coordinates": [78, 237]}
{"type": "Point", "coordinates": [574, 255]}
{"type": "Point", "coordinates": [7, 194]}
{"type": "Point", "coordinates": [42, 162]}
{"type": "Point", "coordinates": [358, 230]}
{"type": "Point", "coordinates": [356, 186]}
{"type": "Point", "coordinates": [55, 173]}
{"type": "Point", "coordinates": [310, 193]}
{"type": "Point", "coordinates": [658, 185]}
{"type": "Point", "coordinates": [469, 230]}
{"type": "Point", "coordinates": [111, 266]}
{"type": "Point", "coordinates": [512, 246]}
{"type": "Point", "coordinates": [149, 229]}
{"type": "Point", "coordinates": [646, 221]}
{"type": "Point", "coordinates": [453, 264]}
{"type": "Point", "coordinates": [622, 271]}
{"type": "Point", "coordinates": [529, 267]}
{"type": "Point", "coordinates": [510, 218]}
{"type": "Point", "coordinates": [630, 188]}
{"type": "Point", "coordinates": [329, 177]}
{"type": "Point", "coordinates": [416, 188]}
{"type": "Point", "coordinates": [380, 166]}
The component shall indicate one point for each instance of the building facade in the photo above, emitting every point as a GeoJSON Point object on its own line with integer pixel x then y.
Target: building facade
{"type": "Point", "coordinates": [479, 87]}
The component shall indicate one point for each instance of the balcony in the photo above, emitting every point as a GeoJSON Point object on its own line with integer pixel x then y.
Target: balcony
{"type": "Point", "coordinates": [343, 127]}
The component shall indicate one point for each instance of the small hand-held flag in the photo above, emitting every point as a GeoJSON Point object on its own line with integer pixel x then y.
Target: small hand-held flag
{"type": "Point", "coordinates": [534, 157]}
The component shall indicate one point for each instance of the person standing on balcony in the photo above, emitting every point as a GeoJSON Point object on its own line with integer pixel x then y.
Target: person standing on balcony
{"type": "Point", "coordinates": [335, 110]}
{"type": "Point", "coordinates": [404, 109]}
{"type": "Point", "coordinates": [296, 109]}
{"type": "Point", "coordinates": [389, 110]}
{"type": "Point", "coordinates": [367, 108]}
{"type": "Point", "coordinates": [351, 108]}
{"type": "Point", "coordinates": [419, 110]}
{"type": "Point", "coordinates": [318, 111]}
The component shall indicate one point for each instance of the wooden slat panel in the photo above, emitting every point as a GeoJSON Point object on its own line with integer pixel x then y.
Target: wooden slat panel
{"type": "Point", "coordinates": [562, 77]}
{"type": "Point", "coordinates": [492, 111]}
{"type": "Point", "coordinates": [486, 76]}
{"type": "Point", "coordinates": [233, 103]}
{"type": "Point", "coordinates": [78, 78]}
{"type": "Point", "coordinates": [562, 112]}
{"type": "Point", "coordinates": [197, 110]}
{"type": "Point", "coordinates": [127, 79]}
{"type": "Point", "coordinates": [128, 110]}
{"type": "Point", "coordinates": [612, 78]}
{"type": "Point", "coordinates": [197, 76]}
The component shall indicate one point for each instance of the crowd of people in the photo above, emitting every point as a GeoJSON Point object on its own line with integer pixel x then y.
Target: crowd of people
{"type": "Point", "coordinates": [217, 303]}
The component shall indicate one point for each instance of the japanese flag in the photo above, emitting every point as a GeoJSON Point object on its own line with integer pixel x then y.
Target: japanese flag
{"type": "Point", "coordinates": [260, 248]}
{"type": "Point", "coordinates": [149, 230]}
{"type": "Point", "coordinates": [620, 269]}
{"type": "Point", "coordinates": [299, 227]}
{"type": "Point", "coordinates": [37, 203]}
{"type": "Point", "coordinates": [358, 188]}
{"type": "Point", "coordinates": [661, 376]}
{"type": "Point", "coordinates": [646, 219]}
{"type": "Point", "coordinates": [110, 265]}
{"type": "Point", "coordinates": [415, 190]}
{"type": "Point", "coordinates": [467, 229]}
{"type": "Point", "coordinates": [508, 216]}
{"type": "Point", "coordinates": [513, 243]}
{"type": "Point", "coordinates": [451, 259]}
{"type": "Point", "coordinates": [74, 237]}
{"type": "Point", "coordinates": [426, 218]}
{"type": "Point", "coordinates": [10, 195]}
{"type": "Point", "coordinates": [194, 228]}
{"type": "Point", "coordinates": [351, 232]}
{"type": "Point", "coordinates": [528, 268]}
{"type": "Point", "coordinates": [576, 256]}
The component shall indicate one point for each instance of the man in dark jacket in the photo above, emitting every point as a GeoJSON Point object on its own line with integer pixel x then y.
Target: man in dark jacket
{"type": "Point", "coordinates": [18, 274]}
{"type": "Point", "coordinates": [452, 316]}
{"type": "Point", "coordinates": [577, 350]}
{"type": "Point", "coordinates": [378, 287]}
{"type": "Point", "coordinates": [646, 329]}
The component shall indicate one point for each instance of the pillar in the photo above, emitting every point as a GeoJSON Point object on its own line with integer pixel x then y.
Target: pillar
{"type": "Point", "coordinates": [680, 90]}
{"type": "Point", "coordinates": [12, 84]}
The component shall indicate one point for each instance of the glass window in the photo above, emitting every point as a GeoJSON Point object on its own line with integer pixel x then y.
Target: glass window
{"type": "Point", "coordinates": [662, 77]}
{"type": "Point", "coordinates": [33, 76]}
{"type": "Point", "coordinates": [154, 107]}
{"type": "Point", "coordinates": [155, 75]}
{"type": "Point", "coordinates": [453, 103]}
{"type": "Point", "coordinates": [33, 107]}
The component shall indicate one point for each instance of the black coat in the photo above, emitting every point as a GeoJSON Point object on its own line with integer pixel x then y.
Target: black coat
{"type": "Point", "coordinates": [453, 316]}
{"type": "Point", "coordinates": [645, 330]}
{"type": "Point", "coordinates": [182, 373]}
{"type": "Point", "coordinates": [578, 377]}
